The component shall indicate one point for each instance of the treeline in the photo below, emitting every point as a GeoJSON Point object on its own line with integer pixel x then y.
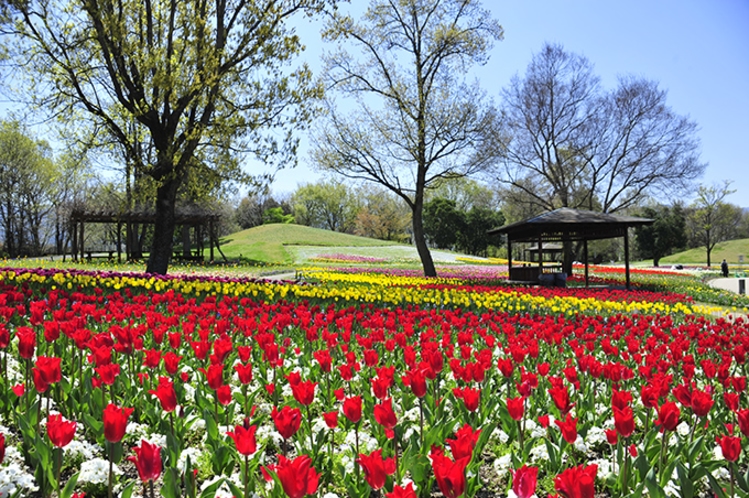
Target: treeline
{"type": "Point", "coordinates": [456, 214]}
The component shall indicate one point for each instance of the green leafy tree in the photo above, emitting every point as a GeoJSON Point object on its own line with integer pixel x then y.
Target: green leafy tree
{"type": "Point", "coordinates": [382, 215]}
{"type": "Point", "coordinates": [181, 86]}
{"type": "Point", "coordinates": [712, 220]}
{"type": "Point", "coordinates": [416, 122]}
{"type": "Point", "coordinates": [443, 223]}
{"type": "Point", "coordinates": [276, 215]}
{"type": "Point", "coordinates": [473, 237]}
{"type": "Point", "coordinates": [27, 180]}
{"type": "Point", "coordinates": [665, 235]}
{"type": "Point", "coordinates": [327, 204]}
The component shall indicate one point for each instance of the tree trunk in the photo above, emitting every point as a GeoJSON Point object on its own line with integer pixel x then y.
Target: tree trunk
{"type": "Point", "coordinates": [163, 236]}
{"type": "Point", "coordinates": [421, 242]}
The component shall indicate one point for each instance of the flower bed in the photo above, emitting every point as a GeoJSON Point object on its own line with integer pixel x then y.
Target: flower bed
{"type": "Point", "coordinates": [219, 387]}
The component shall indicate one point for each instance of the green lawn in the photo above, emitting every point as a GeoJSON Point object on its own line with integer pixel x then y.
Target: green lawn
{"type": "Point", "coordinates": [729, 250]}
{"type": "Point", "coordinates": [270, 243]}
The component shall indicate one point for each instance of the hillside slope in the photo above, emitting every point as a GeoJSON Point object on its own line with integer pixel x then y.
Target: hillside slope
{"type": "Point", "coordinates": [729, 250]}
{"type": "Point", "coordinates": [267, 243]}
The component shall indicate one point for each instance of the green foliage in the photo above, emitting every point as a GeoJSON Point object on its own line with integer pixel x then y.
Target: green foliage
{"type": "Point", "coordinates": [442, 222]}
{"type": "Point", "coordinates": [276, 215]}
{"type": "Point", "coordinates": [667, 233]}
{"type": "Point", "coordinates": [326, 204]}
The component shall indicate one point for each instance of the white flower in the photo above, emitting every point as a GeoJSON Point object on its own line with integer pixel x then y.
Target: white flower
{"type": "Point", "coordinates": [502, 465]}
{"type": "Point", "coordinates": [96, 471]}
{"type": "Point", "coordinates": [595, 436]}
{"type": "Point", "coordinates": [539, 452]}
{"type": "Point", "coordinates": [83, 449]}
{"type": "Point", "coordinates": [500, 435]}
{"type": "Point", "coordinates": [580, 444]}
{"type": "Point", "coordinates": [683, 429]}
{"type": "Point", "coordinates": [14, 478]}
{"type": "Point", "coordinates": [193, 454]}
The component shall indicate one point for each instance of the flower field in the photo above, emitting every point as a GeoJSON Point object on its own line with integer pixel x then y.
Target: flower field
{"type": "Point", "coordinates": [361, 383]}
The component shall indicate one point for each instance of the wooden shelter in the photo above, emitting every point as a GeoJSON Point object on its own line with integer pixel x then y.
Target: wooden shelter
{"type": "Point", "coordinates": [202, 223]}
{"type": "Point", "coordinates": [566, 225]}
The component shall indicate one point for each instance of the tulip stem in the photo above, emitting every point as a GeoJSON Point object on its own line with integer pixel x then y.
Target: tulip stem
{"type": "Point", "coordinates": [309, 426]}
{"type": "Point", "coordinates": [111, 469]}
{"type": "Point", "coordinates": [246, 476]}
{"type": "Point", "coordinates": [421, 422]}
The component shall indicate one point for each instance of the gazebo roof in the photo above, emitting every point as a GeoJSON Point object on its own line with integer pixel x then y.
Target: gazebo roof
{"type": "Point", "coordinates": [569, 224]}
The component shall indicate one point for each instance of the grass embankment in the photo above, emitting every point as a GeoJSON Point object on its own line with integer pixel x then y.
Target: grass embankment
{"type": "Point", "coordinates": [729, 250]}
{"type": "Point", "coordinates": [269, 244]}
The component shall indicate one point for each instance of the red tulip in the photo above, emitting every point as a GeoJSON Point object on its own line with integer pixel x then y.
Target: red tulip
{"type": "Point", "coordinates": [730, 446]}
{"type": "Point", "coordinates": [331, 419]}
{"type": "Point", "coordinates": [166, 394]}
{"type": "Point", "coordinates": [524, 481]}
{"type": "Point", "coordinates": [611, 436]}
{"type": "Point", "coordinates": [214, 375]}
{"type": "Point", "coordinates": [297, 476]}
{"type": "Point", "coordinates": [244, 439]}
{"type": "Point", "coordinates": [244, 372]}
{"type": "Point", "coordinates": [451, 476]}
{"type": "Point", "coordinates": [152, 358]}
{"type": "Point", "coordinates": [49, 368]}
{"type": "Point", "coordinates": [464, 442]}
{"type": "Point", "coordinates": [108, 373]}
{"type": "Point", "coordinates": [115, 422]}
{"type": "Point", "coordinates": [60, 431]}
{"type": "Point", "coordinates": [19, 389]}
{"type": "Point", "coordinates": [402, 492]}
{"type": "Point", "coordinates": [543, 421]}
{"type": "Point", "coordinates": [147, 460]}
{"type": "Point", "coordinates": [384, 414]}
{"type": "Point", "coordinates": [287, 420]}
{"type": "Point", "coordinates": [561, 398]}
{"type": "Point", "coordinates": [577, 482]}
{"type": "Point", "coordinates": [352, 408]}
{"type": "Point", "coordinates": [568, 428]}
{"type": "Point", "coordinates": [621, 399]}
{"type": "Point", "coordinates": [171, 362]}
{"type": "Point", "coordinates": [304, 392]}
{"type": "Point", "coordinates": [26, 342]}
{"type": "Point", "coordinates": [376, 469]}
{"type": "Point", "coordinates": [415, 379]}
{"type": "Point", "coordinates": [324, 359]}
{"type": "Point", "coordinates": [223, 393]}
{"type": "Point", "coordinates": [471, 398]}
{"type": "Point", "coordinates": [380, 386]}
{"type": "Point", "coordinates": [743, 418]}
{"type": "Point", "coordinates": [702, 402]}
{"type": "Point", "coordinates": [624, 421]}
{"type": "Point", "coordinates": [2, 447]}
{"type": "Point", "coordinates": [668, 416]}
{"type": "Point", "coordinates": [516, 407]}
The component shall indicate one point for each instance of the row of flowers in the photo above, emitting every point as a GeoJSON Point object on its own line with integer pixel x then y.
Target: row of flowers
{"type": "Point", "coordinates": [210, 392]}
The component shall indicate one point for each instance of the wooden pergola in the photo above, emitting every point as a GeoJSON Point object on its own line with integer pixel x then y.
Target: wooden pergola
{"type": "Point", "coordinates": [566, 225]}
{"type": "Point", "coordinates": [200, 222]}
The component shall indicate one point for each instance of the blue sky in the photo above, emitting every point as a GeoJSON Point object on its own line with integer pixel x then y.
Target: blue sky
{"type": "Point", "coordinates": [697, 50]}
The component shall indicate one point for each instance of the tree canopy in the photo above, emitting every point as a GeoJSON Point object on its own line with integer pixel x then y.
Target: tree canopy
{"type": "Point", "coordinates": [564, 141]}
{"type": "Point", "coordinates": [181, 86]}
{"type": "Point", "coordinates": [416, 122]}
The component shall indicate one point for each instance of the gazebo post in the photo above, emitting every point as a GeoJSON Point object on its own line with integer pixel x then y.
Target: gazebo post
{"type": "Point", "coordinates": [626, 254]}
{"type": "Point", "coordinates": [540, 256]}
{"type": "Point", "coordinates": [585, 254]}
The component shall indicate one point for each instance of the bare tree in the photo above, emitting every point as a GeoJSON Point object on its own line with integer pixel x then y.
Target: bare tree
{"type": "Point", "coordinates": [565, 142]}
{"type": "Point", "coordinates": [416, 122]}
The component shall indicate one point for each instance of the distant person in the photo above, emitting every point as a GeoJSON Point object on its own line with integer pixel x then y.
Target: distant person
{"type": "Point", "coordinates": [724, 268]}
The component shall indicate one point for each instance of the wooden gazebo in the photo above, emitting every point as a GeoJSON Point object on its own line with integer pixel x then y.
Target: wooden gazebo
{"type": "Point", "coordinates": [563, 225]}
{"type": "Point", "coordinates": [201, 222]}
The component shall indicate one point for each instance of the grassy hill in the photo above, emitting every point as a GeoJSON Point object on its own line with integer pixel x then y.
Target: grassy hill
{"type": "Point", "coordinates": [729, 250]}
{"type": "Point", "coordinates": [272, 243]}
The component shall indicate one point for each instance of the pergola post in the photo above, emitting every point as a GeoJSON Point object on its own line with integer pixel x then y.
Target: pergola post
{"type": "Point", "coordinates": [119, 242]}
{"type": "Point", "coordinates": [540, 256]}
{"type": "Point", "coordinates": [509, 257]}
{"type": "Point", "coordinates": [626, 254]}
{"type": "Point", "coordinates": [585, 254]}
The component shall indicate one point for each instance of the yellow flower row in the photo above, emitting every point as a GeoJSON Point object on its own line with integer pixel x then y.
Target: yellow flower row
{"type": "Point", "coordinates": [352, 288]}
